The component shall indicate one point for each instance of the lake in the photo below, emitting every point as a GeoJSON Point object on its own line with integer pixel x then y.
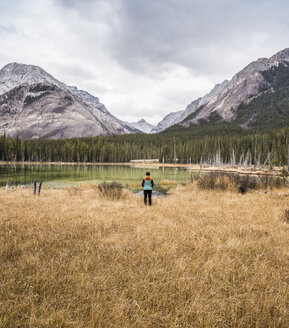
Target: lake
{"type": "Point", "coordinates": [57, 176]}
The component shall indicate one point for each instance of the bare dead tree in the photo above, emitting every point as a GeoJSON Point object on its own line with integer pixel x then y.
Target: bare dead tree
{"type": "Point", "coordinates": [39, 187]}
{"type": "Point", "coordinates": [8, 185]}
{"type": "Point", "coordinates": [268, 159]}
{"type": "Point", "coordinates": [288, 156]}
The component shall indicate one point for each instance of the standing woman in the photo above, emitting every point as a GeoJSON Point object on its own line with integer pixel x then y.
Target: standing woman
{"type": "Point", "coordinates": [147, 184]}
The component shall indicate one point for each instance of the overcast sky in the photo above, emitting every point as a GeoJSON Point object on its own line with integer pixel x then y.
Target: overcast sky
{"type": "Point", "coordinates": [142, 58]}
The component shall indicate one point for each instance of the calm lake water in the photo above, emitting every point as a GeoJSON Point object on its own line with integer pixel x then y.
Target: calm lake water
{"type": "Point", "coordinates": [66, 175]}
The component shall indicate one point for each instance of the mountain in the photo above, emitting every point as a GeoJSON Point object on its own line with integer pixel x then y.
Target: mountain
{"type": "Point", "coordinates": [176, 117]}
{"type": "Point", "coordinates": [88, 98]}
{"type": "Point", "coordinates": [96, 106]}
{"type": "Point", "coordinates": [14, 75]}
{"type": "Point", "coordinates": [169, 120]}
{"type": "Point", "coordinates": [142, 126]}
{"type": "Point", "coordinates": [228, 101]}
{"type": "Point", "coordinates": [33, 104]}
{"type": "Point", "coordinates": [257, 80]}
{"type": "Point", "coordinates": [208, 98]}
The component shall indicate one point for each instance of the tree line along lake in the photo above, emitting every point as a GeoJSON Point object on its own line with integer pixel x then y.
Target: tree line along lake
{"type": "Point", "coordinates": [59, 176]}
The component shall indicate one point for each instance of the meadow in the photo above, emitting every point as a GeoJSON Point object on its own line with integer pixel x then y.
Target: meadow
{"type": "Point", "coordinates": [196, 258]}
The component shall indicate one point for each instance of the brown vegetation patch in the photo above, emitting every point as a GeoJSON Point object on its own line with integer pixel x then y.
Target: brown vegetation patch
{"type": "Point", "coordinates": [111, 190]}
{"type": "Point", "coordinates": [240, 183]}
{"type": "Point", "coordinates": [197, 258]}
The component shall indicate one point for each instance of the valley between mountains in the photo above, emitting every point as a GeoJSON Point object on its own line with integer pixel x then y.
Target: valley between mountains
{"type": "Point", "coordinates": [34, 104]}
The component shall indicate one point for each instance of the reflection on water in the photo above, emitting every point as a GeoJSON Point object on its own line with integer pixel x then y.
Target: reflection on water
{"type": "Point", "coordinates": [66, 175]}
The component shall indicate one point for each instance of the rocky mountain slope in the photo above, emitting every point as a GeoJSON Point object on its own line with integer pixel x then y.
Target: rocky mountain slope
{"type": "Point", "coordinates": [14, 75]}
{"type": "Point", "coordinates": [176, 117]}
{"type": "Point", "coordinates": [96, 106]}
{"type": "Point", "coordinates": [88, 98]}
{"type": "Point", "coordinates": [34, 104]}
{"type": "Point", "coordinates": [225, 98]}
{"type": "Point", "coordinates": [169, 120]}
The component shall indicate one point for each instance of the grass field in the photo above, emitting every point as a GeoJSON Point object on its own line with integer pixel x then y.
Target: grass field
{"type": "Point", "coordinates": [196, 258]}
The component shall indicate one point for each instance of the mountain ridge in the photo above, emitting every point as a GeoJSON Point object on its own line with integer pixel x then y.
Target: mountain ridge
{"type": "Point", "coordinates": [31, 108]}
{"type": "Point", "coordinates": [15, 74]}
{"type": "Point", "coordinates": [31, 97]}
{"type": "Point", "coordinates": [225, 98]}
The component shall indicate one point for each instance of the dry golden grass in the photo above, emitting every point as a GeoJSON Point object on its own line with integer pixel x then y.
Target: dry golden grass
{"type": "Point", "coordinates": [165, 182]}
{"type": "Point", "coordinates": [194, 259]}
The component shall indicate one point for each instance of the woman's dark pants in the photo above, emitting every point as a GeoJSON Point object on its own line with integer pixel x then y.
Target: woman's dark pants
{"type": "Point", "coordinates": [146, 194]}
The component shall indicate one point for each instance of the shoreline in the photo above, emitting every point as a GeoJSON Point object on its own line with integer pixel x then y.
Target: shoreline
{"type": "Point", "coordinates": [276, 170]}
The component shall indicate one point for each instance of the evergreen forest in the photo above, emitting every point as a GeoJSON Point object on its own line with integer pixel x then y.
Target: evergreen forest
{"type": "Point", "coordinates": [269, 148]}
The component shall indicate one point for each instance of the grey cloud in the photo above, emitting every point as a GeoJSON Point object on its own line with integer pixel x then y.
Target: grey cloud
{"type": "Point", "coordinates": [73, 3]}
{"type": "Point", "coordinates": [141, 57]}
{"type": "Point", "coordinates": [195, 34]}
{"type": "Point", "coordinates": [147, 37]}
{"type": "Point", "coordinates": [7, 29]}
{"type": "Point", "coordinates": [88, 9]}
{"type": "Point", "coordinates": [73, 70]}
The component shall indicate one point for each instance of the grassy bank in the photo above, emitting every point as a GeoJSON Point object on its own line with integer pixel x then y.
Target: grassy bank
{"type": "Point", "coordinates": [197, 258]}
